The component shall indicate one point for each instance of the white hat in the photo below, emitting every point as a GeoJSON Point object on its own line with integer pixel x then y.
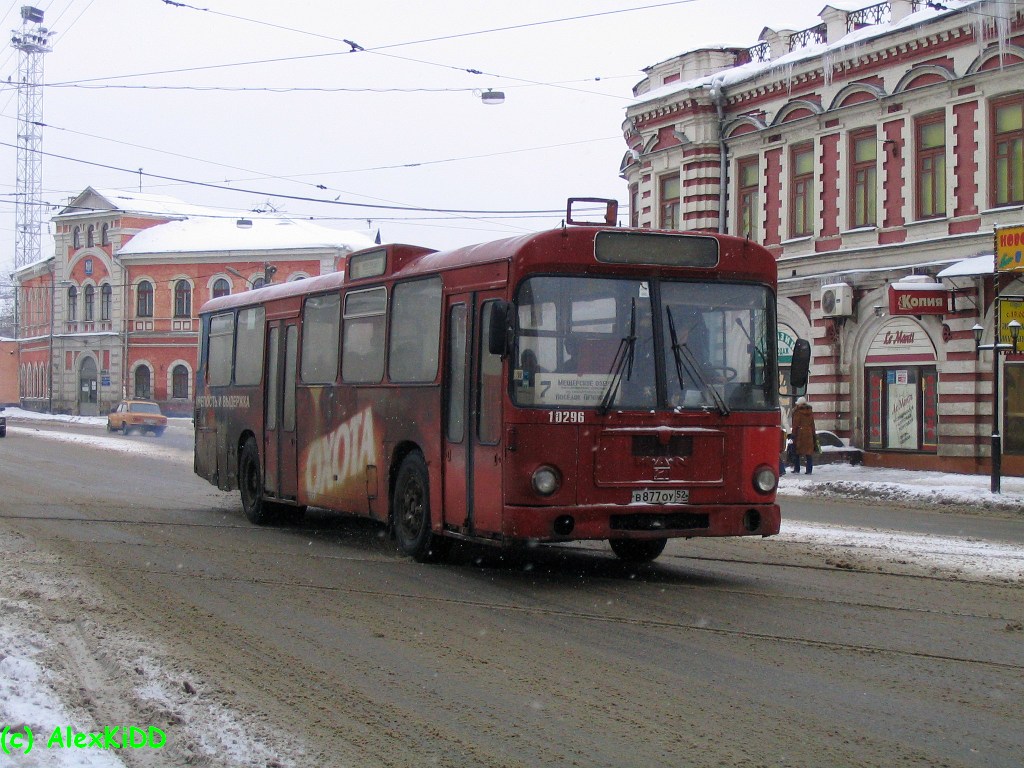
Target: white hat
{"type": "Point", "coordinates": [801, 401]}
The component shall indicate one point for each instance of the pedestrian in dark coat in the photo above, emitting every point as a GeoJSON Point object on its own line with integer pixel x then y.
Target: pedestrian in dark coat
{"type": "Point", "coordinates": [804, 434]}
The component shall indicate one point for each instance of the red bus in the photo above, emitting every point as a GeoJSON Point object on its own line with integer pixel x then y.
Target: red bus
{"type": "Point", "coordinates": [588, 382]}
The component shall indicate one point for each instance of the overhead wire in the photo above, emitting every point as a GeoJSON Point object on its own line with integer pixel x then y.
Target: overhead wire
{"type": "Point", "coordinates": [262, 193]}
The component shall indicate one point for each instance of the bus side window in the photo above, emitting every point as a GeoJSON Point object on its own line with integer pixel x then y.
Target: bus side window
{"type": "Point", "coordinates": [249, 346]}
{"type": "Point", "coordinates": [321, 321]}
{"type": "Point", "coordinates": [221, 345]}
{"type": "Point", "coordinates": [362, 350]}
{"type": "Point", "coordinates": [489, 391]}
{"type": "Point", "coordinates": [456, 417]}
{"type": "Point", "coordinates": [415, 331]}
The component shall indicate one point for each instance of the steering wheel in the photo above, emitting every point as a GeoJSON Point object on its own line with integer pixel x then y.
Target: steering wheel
{"type": "Point", "coordinates": [727, 373]}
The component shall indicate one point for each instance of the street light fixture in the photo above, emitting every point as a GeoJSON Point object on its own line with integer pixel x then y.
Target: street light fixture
{"type": "Point", "coordinates": [997, 348]}
{"type": "Point", "coordinates": [1014, 327]}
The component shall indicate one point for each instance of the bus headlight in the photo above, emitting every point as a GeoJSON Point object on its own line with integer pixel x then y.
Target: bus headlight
{"type": "Point", "coordinates": [546, 480]}
{"type": "Point", "coordinates": [764, 479]}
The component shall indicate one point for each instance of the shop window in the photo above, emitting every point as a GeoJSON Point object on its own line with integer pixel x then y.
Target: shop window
{"type": "Point", "coordinates": [1008, 152]}
{"type": "Point", "coordinates": [903, 408]}
{"type": "Point", "coordinates": [144, 299]}
{"type": "Point", "coordinates": [801, 200]}
{"type": "Point", "coordinates": [863, 178]}
{"type": "Point", "coordinates": [182, 299]}
{"type": "Point", "coordinates": [931, 167]}
{"type": "Point", "coordinates": [748, 198]}
{"type": "Point", "coordinates": [179, 382]}
{"type": "Point", "coordinates": [669, 197]}
{"type": "Point", "coordinates": [1013, 409]}
{"type": "Point", "coordinates": [142, 383]}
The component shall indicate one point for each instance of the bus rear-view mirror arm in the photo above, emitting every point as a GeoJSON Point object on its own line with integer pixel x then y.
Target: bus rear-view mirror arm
{"type": "Point", "coordinates": [502, 329]}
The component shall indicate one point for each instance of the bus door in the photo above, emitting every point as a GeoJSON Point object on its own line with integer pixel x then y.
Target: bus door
{"type": "Point", "coordinates": [279, 443]}
{"type": "Point", "coordinates": [472, 436]}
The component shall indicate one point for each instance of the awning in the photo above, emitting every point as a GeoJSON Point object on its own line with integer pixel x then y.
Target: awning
{"type": "Point", "coordinates": [976, 265]}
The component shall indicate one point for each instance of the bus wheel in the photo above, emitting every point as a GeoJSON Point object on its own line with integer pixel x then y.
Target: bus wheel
{"type": "Point", "coordinates": [410, 513]}
{"type": "Point", "coordinates": [638, 550]}
{"type": "Point", "coordinates": [250, 484]}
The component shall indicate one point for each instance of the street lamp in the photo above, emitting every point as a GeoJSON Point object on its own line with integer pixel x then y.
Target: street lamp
{"type": "Point", "coordinates": [997, 348]}
{"type": "Point", "coordinates": [1014, 327]}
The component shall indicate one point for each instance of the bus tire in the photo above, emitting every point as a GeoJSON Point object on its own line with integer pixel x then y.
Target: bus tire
{"type": "Point", "coordinates": [250, 484]}
{"type": "Point", "coordinates": [638, 550]}
{"type": "Point", "coordinates": [410, 513]}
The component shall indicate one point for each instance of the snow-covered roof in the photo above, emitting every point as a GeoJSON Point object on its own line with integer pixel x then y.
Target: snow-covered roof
{"type": "Point", "coordinates": [729, 77]}
{"type": "Point", "coordinates": [91, 201]}
{"type": "Point", "coordinates": [223, 234]}
{"type": "Point", "coordinates": [976, 265]}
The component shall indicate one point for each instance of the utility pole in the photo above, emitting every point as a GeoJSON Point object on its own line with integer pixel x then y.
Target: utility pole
{"type": "Point", "coordinates": [32, 41]}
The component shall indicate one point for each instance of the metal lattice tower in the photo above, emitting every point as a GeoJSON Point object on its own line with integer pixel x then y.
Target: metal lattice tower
{"type": "Point", "coordinates": [32, 41]}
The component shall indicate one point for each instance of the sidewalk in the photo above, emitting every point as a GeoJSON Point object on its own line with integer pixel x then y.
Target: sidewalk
{"type": "Point", "coordinates": [919, 489]}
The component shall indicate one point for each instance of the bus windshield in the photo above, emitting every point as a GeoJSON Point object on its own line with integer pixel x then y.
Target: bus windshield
{"type": "Point", "coordinates": [590, 342]}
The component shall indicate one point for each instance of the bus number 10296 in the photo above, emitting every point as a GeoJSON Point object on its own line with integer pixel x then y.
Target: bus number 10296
{"type": "Point", "coordinates": [565, 417]}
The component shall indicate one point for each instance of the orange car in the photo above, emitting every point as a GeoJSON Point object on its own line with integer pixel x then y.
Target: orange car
{"type": "Point", "coordinates": [143, 415]}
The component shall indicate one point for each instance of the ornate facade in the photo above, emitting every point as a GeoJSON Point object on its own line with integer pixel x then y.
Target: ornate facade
{"type": "Point", "coordinates": [873, 154]}
{"type": "Point", "coordinates": [114, 312]}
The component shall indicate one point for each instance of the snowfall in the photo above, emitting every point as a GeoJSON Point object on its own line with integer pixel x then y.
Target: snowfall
{"type": "Point", "coordinates": [28, 693]}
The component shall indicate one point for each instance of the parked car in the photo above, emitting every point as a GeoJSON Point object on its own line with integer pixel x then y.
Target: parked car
{"type": "Point", "coordinates": [143, 415]}
{"type": "Point", "coordinates": [836, 450]}
{"type": "Point", "coordinates": [3, 424]}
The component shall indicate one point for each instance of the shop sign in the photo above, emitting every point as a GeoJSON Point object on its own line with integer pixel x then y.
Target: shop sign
{"type": "Point", "coordinates": [917, 300]}
{"type": "Point", "coordinates": [786, 342]}
{"type": "Point", "coordinates": [1010, 308]}
{"type": "Point", "coordinates": [1010, 249]}
{"type": "Point", "coordinates": [900, 340]}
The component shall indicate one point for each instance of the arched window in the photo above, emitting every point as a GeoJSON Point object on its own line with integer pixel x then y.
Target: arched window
{"type": "Point", "coordinates": [76, 237]}
{"type": "Point", "coordinates": [179, 382]}
{"type": "Point", "coordinates": [221, 287]}
{"type": "Point", "coordinates": [259, 282]}
{"type": "Point", "coordinates": [105, 296]}
{"type": "Point", "coordinates": [182, 299]}
{"type": "Point", "coordinates": [90, 233]}
{"type": "Point", "coordinates": [144, 299]}
{"type": "Point", "coordinates": [72, 303]}
{"type": "Point", "coordinates": [142, 386]}
{"type": "Point", "coordinates": [105, 234]}
{"type": "Point", "coordinates": [90, 303]}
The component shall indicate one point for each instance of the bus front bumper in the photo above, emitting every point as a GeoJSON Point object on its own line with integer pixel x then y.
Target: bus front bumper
{"type": "Point", "coordinates": [640, 521]}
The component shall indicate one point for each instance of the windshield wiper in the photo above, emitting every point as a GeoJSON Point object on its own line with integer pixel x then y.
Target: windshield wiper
{"type": "Point", "coordinates": [623, 360]}
{"type": "Point", "coordinates": [684, 357]}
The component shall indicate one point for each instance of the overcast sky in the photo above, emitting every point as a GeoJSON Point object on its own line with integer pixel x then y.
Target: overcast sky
{"type": "Point", "coordinates": [266, 98]}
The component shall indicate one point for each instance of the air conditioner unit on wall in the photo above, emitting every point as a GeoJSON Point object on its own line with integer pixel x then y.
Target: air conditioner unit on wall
{"type": "Point", "coordinates": [837, 300]}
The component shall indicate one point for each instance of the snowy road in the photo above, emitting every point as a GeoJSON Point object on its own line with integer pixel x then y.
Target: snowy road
{"type": "Point", "coordinates": [134, 594]}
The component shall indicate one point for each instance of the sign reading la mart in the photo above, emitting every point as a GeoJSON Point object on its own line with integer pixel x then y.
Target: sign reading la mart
{"type": "Point", "coordinates": [1010, 248]}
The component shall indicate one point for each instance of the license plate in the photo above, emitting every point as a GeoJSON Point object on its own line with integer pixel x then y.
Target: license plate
{"type": "Point", "coordinates": [660, 496]}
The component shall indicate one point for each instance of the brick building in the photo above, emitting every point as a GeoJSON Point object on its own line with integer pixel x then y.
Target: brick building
{"type": "Point", "coordinates": [114, 312]}
{"type": "Point", "coordinates": [874, 154]}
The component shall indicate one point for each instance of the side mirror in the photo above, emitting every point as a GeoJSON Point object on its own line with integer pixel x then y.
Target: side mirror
{"type": "Point", "coordinates": [800, 365]}
{"type": "Point", "coordinates": [501, 329]}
